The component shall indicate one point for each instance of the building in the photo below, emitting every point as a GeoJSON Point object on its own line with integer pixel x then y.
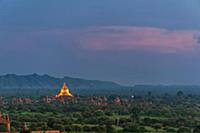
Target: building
{"type": "Point", "coordinates": [64, 91]}
{"type": "Point", "coordinates": [5, 120]}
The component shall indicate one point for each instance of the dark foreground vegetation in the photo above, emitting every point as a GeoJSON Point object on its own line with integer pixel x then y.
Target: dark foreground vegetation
{"type": "Point", "coordinates": [146, 113]}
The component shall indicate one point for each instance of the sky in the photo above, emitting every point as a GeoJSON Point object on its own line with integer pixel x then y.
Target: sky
{"type": "Point", "coordinates": [126, 41]}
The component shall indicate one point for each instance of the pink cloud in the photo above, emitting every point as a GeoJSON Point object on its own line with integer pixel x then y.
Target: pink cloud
{"type": "Point", "coordinates": [142, 38]}
{"type": "Point", "coordinates": [111, 38]}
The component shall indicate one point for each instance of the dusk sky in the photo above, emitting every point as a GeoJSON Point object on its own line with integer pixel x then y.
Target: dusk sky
{"type": "Point", "coordinates": [126, 41]}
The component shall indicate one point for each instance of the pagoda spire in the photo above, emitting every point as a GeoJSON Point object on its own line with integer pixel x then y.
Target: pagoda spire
{"type": "Point", "coordinates": [64, 91]}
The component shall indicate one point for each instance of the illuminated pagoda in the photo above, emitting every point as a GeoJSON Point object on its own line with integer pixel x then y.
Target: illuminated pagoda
{"type": "Point", "coordinates": [64, 91]}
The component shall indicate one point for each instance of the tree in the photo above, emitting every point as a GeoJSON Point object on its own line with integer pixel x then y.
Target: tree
{"type": "Point", "coordinates": [99, 113]}
{"type": "Point", "coordinates": [184, 130]}
{"type": "Point", "coordinates": [99, 128]}
{"type": "Point", "coordinates": [77, 128]}
{"type": "Point", "coordinates": [2, 128]}
{"type": "Point", "coordinates": [196, 130]}
{"type": "Point", "coordinates": [157, 126]}
{"type": "Point", "coordinates": [135, 115]}
{"type": "Point", "coordinates": [131, 128]}
{"type": "Point", "coordinates": [179, 93]}
{"type": "Point", "coordinates": [149, 93]}
{"type": "Point", "coordinates": [110, 129]}
{"type": "Point", "coordinates": [168, 129]}
{"type": "Point", "coordinates": [87, 128]}
{"type": "Point", "coordinates": [68, 128]}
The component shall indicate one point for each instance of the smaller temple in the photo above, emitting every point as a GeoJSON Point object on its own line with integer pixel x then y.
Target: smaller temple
{"type": "Point", "coordinates": [5, 120]}
{"type": "Point", "coordinates": [64, 91]}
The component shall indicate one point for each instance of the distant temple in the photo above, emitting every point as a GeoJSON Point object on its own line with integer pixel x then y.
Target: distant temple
{"type": "Point", "coordinates": [5, 120]}
{"type": "Point", "coordinates": [64, 91]}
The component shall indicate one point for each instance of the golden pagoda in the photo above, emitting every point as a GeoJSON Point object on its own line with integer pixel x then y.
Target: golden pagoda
{"type": "Point", "coordinates": [64, 91]}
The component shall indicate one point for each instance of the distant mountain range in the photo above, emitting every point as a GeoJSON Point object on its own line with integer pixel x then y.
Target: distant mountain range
{"type": "Point", "coordinates": [35, 81]}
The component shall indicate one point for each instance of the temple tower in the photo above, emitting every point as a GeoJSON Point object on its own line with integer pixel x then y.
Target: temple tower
{"type": "Point", "coordinates": [64, 91]}
{"type": "Point", "coordinates": [5, 120]}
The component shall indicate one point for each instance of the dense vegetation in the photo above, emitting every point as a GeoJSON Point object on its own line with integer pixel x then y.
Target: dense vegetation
{"type": "Point", "coordinates": [146, 113]}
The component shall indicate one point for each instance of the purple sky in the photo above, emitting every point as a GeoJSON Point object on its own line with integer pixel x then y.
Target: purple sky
{"type": "Point", "coordinates": [130, 42]}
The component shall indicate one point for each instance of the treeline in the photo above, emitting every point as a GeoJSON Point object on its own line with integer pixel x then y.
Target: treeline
{"type": "Point", "coordinates": [148, 113]}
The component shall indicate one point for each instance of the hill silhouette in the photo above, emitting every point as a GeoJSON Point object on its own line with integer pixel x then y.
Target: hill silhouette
{"type": "Point", "coordinates": [35, 81]}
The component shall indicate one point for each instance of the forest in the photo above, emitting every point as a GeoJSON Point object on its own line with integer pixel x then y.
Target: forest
{"type": "Point", "coordinates": [98, 113]}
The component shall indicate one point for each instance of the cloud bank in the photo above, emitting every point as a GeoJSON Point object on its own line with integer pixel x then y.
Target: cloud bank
{"type": "Point", "coordinates": [109, 38]}
{"type": "Point", "coordinates": [139, 38]}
